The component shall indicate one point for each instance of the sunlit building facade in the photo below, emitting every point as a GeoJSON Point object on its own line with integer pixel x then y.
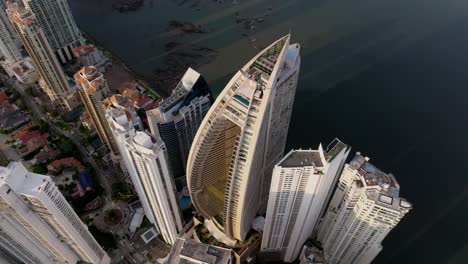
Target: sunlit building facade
{"type": "Point", "coordinates": [366, 206]}
{"type": "Point", "coordinates": [242, 137]}
{"type": "Point", "coordinates": [93, 89]}
{"type": "Point", "coordinates": [37, 225]}
{"type": "Point", "coordinates": [300, 186]}
{"type": "Point", "coordinates": [151, 176]}
{"type": "Point", "coordinates": [53, 80]}
{"type": "Point", "coordinates": [9, 41]}
{"type": "Point", "coordinates": [58, 24]}
{"type": "Point", "coordinates": [179, 116]}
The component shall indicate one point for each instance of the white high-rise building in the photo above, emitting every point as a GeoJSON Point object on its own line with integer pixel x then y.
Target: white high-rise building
{"type": "Point", "coordinates": [179, 116]}
{"type": "Point", "coordinates": [59, 26]}
{"type": "Point", "coordinates": [9, 41]}
{"type": "Point", "coordinates": [149, 170]}
{"type": "Point", "coordinates": [37, 225]}
{"type": "Point", "coordinates": [366, 206]}
{"type": "Point", "coordinates": [123, 122]}
{"type": "Point", "coordinates": [300, 186]}
{"type": "Point", "coordinates": [242, 137]}
{"type": "Point", "coordinates": [53, 80]}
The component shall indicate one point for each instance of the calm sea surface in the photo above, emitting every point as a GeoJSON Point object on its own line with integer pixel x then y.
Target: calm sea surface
{"type": "Point", "coordinates": [388, 77]}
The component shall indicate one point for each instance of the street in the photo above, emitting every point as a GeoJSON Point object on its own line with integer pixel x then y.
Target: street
{"type": "Point", "coordinates": [9, 153]}
{"type": "Point", "coordinates": [36, 111]}
{"type": "Point", "coordinates": [133, 249]}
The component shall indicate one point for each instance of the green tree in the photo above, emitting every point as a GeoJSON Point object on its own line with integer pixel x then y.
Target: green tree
{"type": "Point", "coordinates": [39, 169]}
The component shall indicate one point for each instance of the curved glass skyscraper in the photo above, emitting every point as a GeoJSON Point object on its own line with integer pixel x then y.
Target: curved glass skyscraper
{"type": "Point", "coordinates": [242, 137]}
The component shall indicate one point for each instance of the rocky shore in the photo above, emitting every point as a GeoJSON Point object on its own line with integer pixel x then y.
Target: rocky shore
{"type": "Point", "coordinates": [181, 57]}
{"type": "Point", "coordinates": [185, 27]}
{"type": "Point", "coordinates": [127, 5]}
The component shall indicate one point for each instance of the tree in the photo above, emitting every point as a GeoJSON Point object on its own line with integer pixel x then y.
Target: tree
{"type": "Point", "coordinates": [106, 240]}
{"type": "Point", "coordinates": [43, 126]}
{"type": "Point", "coordinates": [39, 169]}
{"type": "Point", "coordinates": [20, 103]}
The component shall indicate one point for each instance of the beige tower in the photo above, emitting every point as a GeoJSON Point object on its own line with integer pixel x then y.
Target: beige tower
{"type": "Point", "coordinates": [93, 89]}
{"type": "Point", "coordinates": [53, 80]}
{"type": "Point", "coordinates": [56, 19]}
{"type": "Point", "coordinates": [242, 137]}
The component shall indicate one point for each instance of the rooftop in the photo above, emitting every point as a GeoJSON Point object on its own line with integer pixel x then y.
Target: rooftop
{"type": "Point", "coordinates": [149, 235]}
{"type": "Point", "coordinates": [380, 187]}
{"type": "Point", "coordinates": [65, 161]}
{"type": "Point", "coordinates": [262, 67]}
{"type": "Point", "coordinates": [131, 92]}
{"type": "Point", "coordinates": [21, 14]}
{"type": "Point", "coordinates": [20, 180]}
{"type": "Point", "coordinates": [119, 100]}
{"type": "Point", "coordinates": [182, 89]}
{"type": "Point", "coordinates": [84, 50]}
{"type": "Point", "coordinates": [90, 78]}
{"type": "Point", "coordinates": [143, 139]}
{"type": "Point", "coordinates": [23, 67]}
{"type": "Point", "coordinates": [26, 135]}
{"type": "Point", "coordinates": [190, 251]}
{"type": "Point", "coordinates": [334, 148]}
{"type": "Point", "coordinates": [302, 158]}
{"type": "Point", "coordinates": [3, 97]}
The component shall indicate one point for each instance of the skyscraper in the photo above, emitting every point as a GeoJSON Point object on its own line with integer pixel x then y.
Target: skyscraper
{"type": "Point", "coordinates": [300, 185]}
{"type": "Point", "coordinates": [242, 137]}
{"type": "Point", "coordinates": [9, 41]}
{"type": "Point", "coordinates": [366, 206]}
{"type": "Point", "coordinates": [53, 80]}
{"type": "Point", "coordinates": [37, 225]}
{"type": "Point", "coordinates": [123, 122]}
{"type": "Point", "coordinates": [59, 27]}
{"type": "Point", "coordinates": [179, 116]}
{"type": "Point", "coordinates": [150, 173]}
{"type": "Point", "coordinates": [93, 89]}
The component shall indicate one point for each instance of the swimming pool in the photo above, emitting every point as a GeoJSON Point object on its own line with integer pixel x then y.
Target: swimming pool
{"type": "Point", "coordinates": [184, 202]}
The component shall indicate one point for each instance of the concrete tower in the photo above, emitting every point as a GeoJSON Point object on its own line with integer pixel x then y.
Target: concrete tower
{"type": "Point", "coordinates": [53, 80]}
{"type": "Point", "coordinates": [9, 41]}
{"type": "Point", "coordinates": [37, 225]}
{"type": "Point", "coordinates": [242, 137]}
{"type": "Point", "coordinates": [179, 116]}
{"type": "Point", "coordinates": [299, 190]}
{"type": "Point", "coordinates": [151, 176]}
{"type": "Point", "coordinates": [93, 89]}
{"type": "Point", "coordinates": [59, 27]}
{"type": "Point", "coordinates": [366, 206]}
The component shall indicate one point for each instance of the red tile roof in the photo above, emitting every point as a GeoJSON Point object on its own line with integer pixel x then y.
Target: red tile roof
{"type": "Point", "coordinates": [83, 50]}
{"type": "Point", "coordinates": [26, 135]}
{"type": "Point", "coordinates": [66, 161]}
{"type": "Point", "coordinates": [153, 105]}
{"type": "Point", "coordinates": [3, 97]}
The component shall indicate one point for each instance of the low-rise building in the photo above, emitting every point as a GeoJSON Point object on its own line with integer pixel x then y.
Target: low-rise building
{"type": "Point", "coordinates": [25, 71]}
{"type": "Point", "coordinates": [132, 91]}
{"type": "Point", "coordinates": [56, 165]}
{"type": "Point", "coordinates": [311, 254]}
{"type": "Point", "coordinates": [12, 117]}
{"type": "Point", "coordinates": [190, 251]}
{"type": "Point", "coordinates": [89, 55]}
{"type": "Point", "coordinates": [31, 141]}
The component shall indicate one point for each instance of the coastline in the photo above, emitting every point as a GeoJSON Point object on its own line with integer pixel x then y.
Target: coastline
{"type": "Point", "coordinates": [120, 72]}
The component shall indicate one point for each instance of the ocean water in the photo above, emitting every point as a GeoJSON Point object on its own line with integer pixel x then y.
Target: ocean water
{"type": "Point", "coordinates": [390, 78]}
